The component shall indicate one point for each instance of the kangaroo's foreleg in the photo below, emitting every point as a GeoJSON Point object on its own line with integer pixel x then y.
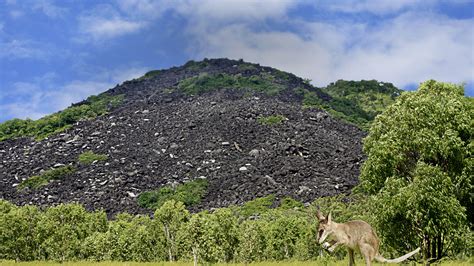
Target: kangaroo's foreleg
{"type": "Point", "coordinates": [351, 256]}
{"type": "Point", "coordinates": [334, 246]}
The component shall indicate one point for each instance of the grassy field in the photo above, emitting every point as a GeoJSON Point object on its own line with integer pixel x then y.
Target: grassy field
{"type": "Point", "coordinates": [281, 263]}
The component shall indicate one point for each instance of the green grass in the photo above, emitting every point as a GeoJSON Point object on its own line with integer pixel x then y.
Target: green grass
{"type": "Point", "coordinates": [265, 263]}
{"type": "Point", "coordinates": [151, 74]}
{"type": "Point", "coordinates": [271, 120]}
{"type": "Point", "coordinates": [44, 178]}
{"type": "Point", "coordinates": [51, 124]}
{"type": "Point", "coordinates": [190, 193]}
{"type": "Point", "coordinates": [205, 83]}
{"type": "Point", "coordinates": [89, 157]}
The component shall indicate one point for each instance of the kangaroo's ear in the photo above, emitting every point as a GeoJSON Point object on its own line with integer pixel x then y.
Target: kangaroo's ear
{"type": "Point", "coordinates": [319, 215]}
{"type": "Point", "coordinates": [329, 218]}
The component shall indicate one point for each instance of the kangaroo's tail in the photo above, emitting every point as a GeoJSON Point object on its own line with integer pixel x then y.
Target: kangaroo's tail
{"type": "Point", "coordinates": [379, 257]}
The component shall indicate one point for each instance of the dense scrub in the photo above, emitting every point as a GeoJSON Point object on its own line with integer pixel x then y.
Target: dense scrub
{"type": "Point", "coordinates": [190, 193]}
{"type": "Point", "coordinates": [249, 233]}
{"type": "Point", "coordinates": [357, 102]}
{"type": "Point", "coordinates": [174, 234]}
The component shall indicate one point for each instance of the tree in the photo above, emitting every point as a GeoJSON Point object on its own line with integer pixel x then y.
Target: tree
{"type": "Point", "coordinates": [211, 237]}
{"type": "Point", "coordinates": [62, 229]}
{"type": "Point", "coordinates": [251, 241]}
{"type": "Point", "coordinates": [284, 234]}
{"type": "Point", "coordinates": [170, 216]}
{"type": "Point", "coordinates": [420, 167]}
{"type": "Point", "coordinates": [18, 232]}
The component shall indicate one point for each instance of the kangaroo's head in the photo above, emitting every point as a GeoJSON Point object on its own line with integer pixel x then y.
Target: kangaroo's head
{"type": "Point", "coordinates": [325, 226]}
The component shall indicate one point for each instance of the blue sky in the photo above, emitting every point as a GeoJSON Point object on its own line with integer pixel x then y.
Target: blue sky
{"type": "Point", "coordinates": [54, 53]}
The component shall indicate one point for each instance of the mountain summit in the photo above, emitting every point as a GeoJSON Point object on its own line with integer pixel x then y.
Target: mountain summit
{"type": "Point", "coordinates": [215, 133]}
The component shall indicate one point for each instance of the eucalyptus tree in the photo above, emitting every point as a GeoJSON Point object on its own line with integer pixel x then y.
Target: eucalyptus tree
{"type": "Point", "coordinates": [420, 169]}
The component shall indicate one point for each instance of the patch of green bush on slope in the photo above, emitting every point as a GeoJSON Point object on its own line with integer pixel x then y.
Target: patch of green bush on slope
{"type": "Point", "coordinates": [92, 107]}
{"type": "Point", "coordinates": [190, 193]}
{"type": "Point", "coordinates": [45, 177]}
{"type": "Point", "coordinates": [209, 82]}
{"type": "Point", "coordinates": [89, 157]}
{"type": "Point", "coordinates": [271, 120]}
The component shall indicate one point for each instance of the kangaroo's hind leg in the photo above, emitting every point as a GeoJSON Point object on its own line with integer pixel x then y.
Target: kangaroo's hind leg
{"type": "Point", "coordinates": [368, 252]}
{"type": "Point", "coordinates": [351, 256]}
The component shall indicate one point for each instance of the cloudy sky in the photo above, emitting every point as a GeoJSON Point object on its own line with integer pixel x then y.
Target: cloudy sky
{"type": "Point", "coordinates": [54, 53]}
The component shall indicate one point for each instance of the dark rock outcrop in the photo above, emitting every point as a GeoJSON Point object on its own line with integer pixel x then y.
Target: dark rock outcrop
{"type": "Point", "coordinates": [158, 137]}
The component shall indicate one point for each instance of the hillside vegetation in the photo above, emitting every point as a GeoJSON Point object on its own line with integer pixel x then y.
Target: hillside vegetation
{"type": "Point", "coordinates": [360, 102]}
{"type": "Point", "coordinates": [356, 102]}
{"type": "Point", "coordinates": [92, 107]}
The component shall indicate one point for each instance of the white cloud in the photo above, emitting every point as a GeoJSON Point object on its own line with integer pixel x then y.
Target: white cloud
{"type": "Point", "coordinates": [22, 49]}
{"type": "Point", "coordinates": [406, 49]}
{"type": "Point", "coordinates": [211, 9]}
{"type": "Point", "coordinates": [100, 28]}
{"type": "Point", "coordinates": [48, 8]}
{"type": "Point", "coordinates": [236, 9]}
{"type": "Point", "coordinates": [380, 7]}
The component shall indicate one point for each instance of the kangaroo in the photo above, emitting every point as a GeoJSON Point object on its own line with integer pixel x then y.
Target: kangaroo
{"type": "Point", "coordinates": [355, 235]}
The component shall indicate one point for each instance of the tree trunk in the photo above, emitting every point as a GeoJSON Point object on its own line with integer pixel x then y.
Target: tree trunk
{"type": "Point", "coordinates": [426, 250]}
{"type": "Point", "coordinates": [195, 256]}
{"type": "Point", "coordinates": [168, 239]}
{"type": "Point", "coordinates": [440, 247]}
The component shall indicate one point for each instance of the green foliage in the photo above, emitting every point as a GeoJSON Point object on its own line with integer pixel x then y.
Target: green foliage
{"type": "Point", "coordinates": [89, 157]}
{"type": "Point", "coordinates": [127, 238]}
{"type": "Point", "coordinates": [18, 232]}
{"type": "Point", "coordinates": [288, 203]}
{"type": "Point", "coordinates": [370, 95]}
{"type": "Point", "coordinates": [190, 193]}
{"type": "Point", "coordinates": [68, 232]}
{"type": "Point", "coordinates": [169, 218]}
{"type": "Point", "coordinates": [211, 237]}
{"type": "Point", "coordinates": [45, 177]}
{"type": "Point", "coordinates": [205, 83]}
{"type": "Point", "coordinates": [357, 102]}
{"type": "Point", "coordinates": [271, 120]}
{"type": "Point", "coordinates": [62, 229]}
{"type": "Point", "coordinates": [338, 107]}
{"type": "Point", "coordinates": [51, 124]}
{"type": "Point", "coordinates": [256, 207]}
{"type": "Point", "coordinates": [423, 209]}
{"type": "Point", "coordinates": [252, 242]}
{"type": "Point", "coordinates": [196, 66]}
{"type": "Point", "coordinates": [285, 235]}
{"type": "Point", "coordinates": [420, 168]}
{"type": "Point", "coordinates": [247, 67]}
{"type": "Point", "coordinates": [151, 74]}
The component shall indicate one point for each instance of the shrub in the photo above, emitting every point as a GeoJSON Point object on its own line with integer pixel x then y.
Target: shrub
{"type": "Point", "coordinates": [271, 120]}
{"type": "Point", "coordinates": [44, 178]}
{"type": "Point", "coordinates": [257, 206]}
{"type": "Point", "coordinates": [190, 193]}
{"type": "Point", "coordinates": [89, 157]}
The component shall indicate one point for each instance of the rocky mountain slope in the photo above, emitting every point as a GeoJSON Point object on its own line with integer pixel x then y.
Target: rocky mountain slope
{"type": "Point", "coordinates": [211, 120]}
